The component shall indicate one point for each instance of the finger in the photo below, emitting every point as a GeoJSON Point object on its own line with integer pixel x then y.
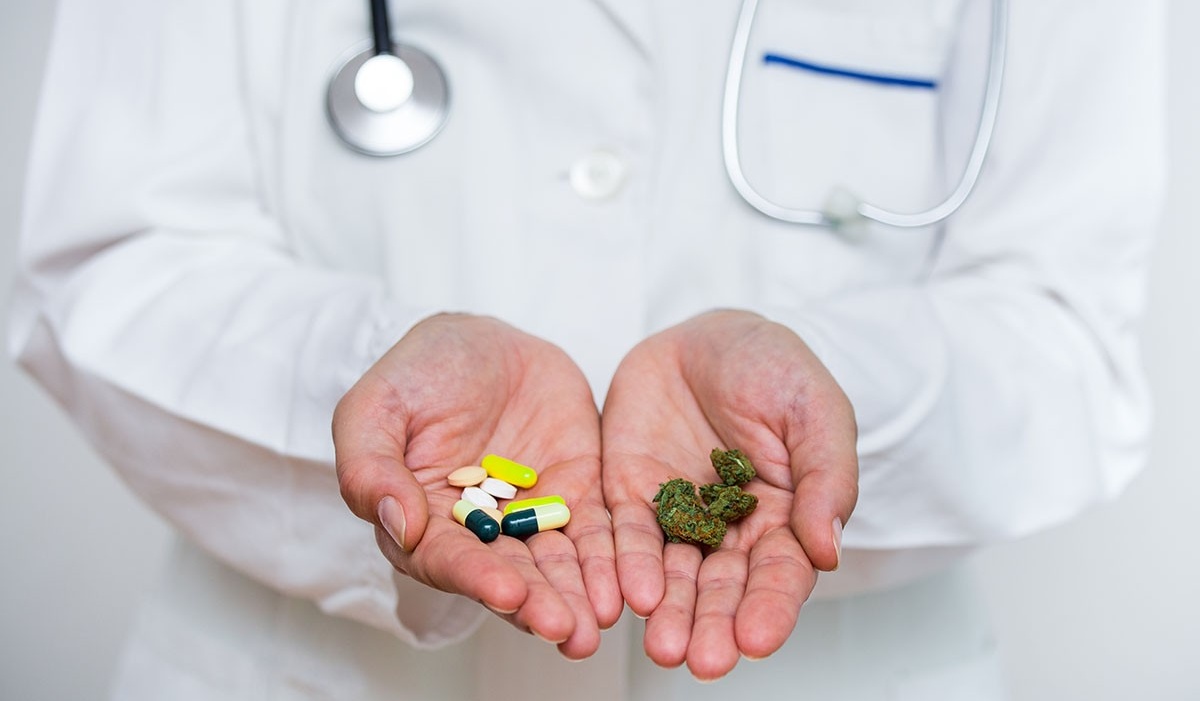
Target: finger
{"type": "Point", "coordinates": [369, 445]}
{"type": "Point", "coordinates": [556, 558]}
{"type": "Point", "coordinates": [639, 546]}
{"type": "Point", "coordinates": [453, 559]}
{"type": "Point", "coordinates": [669, 628]}
{"type": "Point", "coordinates": [780, 580]}
{"type": "Point", "coordinates": [545, 612]}
{"type": "Point", "coordinates": [591, 530]}
{"type": "Point", "coordinates": [825, 468]}
{"type": "Point", "coordinates": [713, 650]}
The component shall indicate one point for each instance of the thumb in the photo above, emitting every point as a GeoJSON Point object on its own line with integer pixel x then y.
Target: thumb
{"type": "Point", "coordinates": [372, 476]}
{"type": "Point", "coordinates": [825, 470]}
{"type": "Point", "coordinates": [822, 504]}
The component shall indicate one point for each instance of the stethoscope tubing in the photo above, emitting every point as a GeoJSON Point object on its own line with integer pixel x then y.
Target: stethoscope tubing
{"type": "Point", "coordinates": [419, 121]}
{"type": "Point", "coordinates": [985, 129]}
{"type": "Point", "coordinates": [381, 27]}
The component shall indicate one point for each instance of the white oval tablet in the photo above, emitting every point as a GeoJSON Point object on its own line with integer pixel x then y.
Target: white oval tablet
{"type": "Point", "coordinates": [498, 488]}
{"type": "Point", "coordinates": [478, 497]}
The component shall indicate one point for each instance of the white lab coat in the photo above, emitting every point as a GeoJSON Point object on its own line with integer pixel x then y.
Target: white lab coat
{"type": "Point", "coordinates": [206, 270]}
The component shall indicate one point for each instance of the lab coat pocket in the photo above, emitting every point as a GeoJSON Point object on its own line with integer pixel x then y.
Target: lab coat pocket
{"type": "Point", "coordinates": [845, 96]}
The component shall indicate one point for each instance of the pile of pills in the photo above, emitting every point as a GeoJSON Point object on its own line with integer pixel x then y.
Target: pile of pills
{"type": "Point", "coordinates": [495, 479]}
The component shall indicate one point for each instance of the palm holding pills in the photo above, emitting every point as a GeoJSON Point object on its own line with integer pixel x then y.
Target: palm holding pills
{"type": "Point", "coordinates": [454, 389]}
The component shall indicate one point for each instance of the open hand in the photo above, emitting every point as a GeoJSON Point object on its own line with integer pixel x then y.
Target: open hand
{"type": "Point", "coordinates": [454, 389]}
{"type": "Point", "coordinates": [727, 379]}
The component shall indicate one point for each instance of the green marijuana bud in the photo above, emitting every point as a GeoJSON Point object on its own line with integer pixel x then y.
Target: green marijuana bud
{"type": "Point", "coordinates": [733, 466]}
{"type": "Point", "coordinates": [686, 519]}
{"type": "Point", "coordinates": [683, 517]}
{"type": "Point", "coordinates": [728, 502]}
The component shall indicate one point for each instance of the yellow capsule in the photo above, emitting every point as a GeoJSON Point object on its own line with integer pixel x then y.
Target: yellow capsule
{"type": "Point", "coordinates": [532, 502]}
{"type": "Point", "coordinates": [512, 472]}
{"type": "Point", "coordinates": [539, 518]}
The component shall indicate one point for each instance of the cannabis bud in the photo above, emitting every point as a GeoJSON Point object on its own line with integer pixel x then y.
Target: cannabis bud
{"type": "Point", "coordinates": [728, 502]}
{"type": "Point", "coordinates": [732, 466]}
{"type": "Point", "coordinates": [683, 517]}
{"type": "Point", "coordinates": [686, 518]}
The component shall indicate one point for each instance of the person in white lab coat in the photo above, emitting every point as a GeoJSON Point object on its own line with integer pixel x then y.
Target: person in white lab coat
{"type": "Point", "coordinates": [207, 271]}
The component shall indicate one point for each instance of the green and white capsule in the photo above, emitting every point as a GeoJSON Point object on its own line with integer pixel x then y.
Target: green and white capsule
{"type": "Point", "coordinates": [545, 517]}
{"type": "Point", "coordinates": [476, 520]}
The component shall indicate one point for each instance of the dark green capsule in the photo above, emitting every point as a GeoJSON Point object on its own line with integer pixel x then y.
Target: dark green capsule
{"type": "Point", "coordinates": [544, 517]}
{"type": "Point", "coordinates": [482, 525]}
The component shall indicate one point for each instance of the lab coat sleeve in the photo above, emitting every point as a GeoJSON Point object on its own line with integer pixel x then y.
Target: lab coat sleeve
{"type": "Point", "coordinates": [161, 306]}
{"type": "Point", "coordinates": [1003, 394]}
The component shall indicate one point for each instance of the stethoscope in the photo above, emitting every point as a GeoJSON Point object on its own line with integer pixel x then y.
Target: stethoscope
{"type": "Point", "coordinates": [392, 98]}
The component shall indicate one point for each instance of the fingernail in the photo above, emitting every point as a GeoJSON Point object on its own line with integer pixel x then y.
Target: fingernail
{"type": "Point", "coordinates": [837, 543]}
{"type": "Point", "coordinates": [499, 612]}
{"type": "Point", "coordinates": [391, 517]}
{"type": "Point", "coordinates": [539, 636]}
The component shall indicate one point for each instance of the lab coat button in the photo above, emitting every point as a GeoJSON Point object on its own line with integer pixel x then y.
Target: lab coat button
{"type": "Point", "coordinates": [598, 175]}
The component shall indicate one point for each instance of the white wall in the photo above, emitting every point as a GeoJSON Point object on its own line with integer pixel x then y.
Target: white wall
{"type": "Point", "coordinates": [1103, 609]}
{"type": "Point", "coordinates": [78, 551]}
{"type": "Point", "coordinates": [1108, 607]}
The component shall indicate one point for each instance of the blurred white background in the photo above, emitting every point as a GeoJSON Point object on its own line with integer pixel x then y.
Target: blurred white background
{"type": "Point", "coordinates": [1106, 608]}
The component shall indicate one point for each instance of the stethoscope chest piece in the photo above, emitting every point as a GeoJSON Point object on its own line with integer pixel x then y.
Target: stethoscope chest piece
{"type": "Point", "coordinates": [388, 104]}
